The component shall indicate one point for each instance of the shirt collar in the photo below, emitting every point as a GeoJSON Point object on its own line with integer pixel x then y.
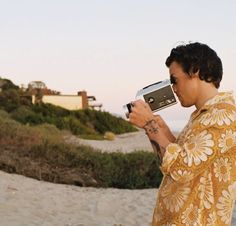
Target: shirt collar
{"type": "Point", "coordinates": [222, 97]}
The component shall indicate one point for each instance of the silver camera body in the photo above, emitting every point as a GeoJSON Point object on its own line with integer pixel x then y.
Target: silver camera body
{"type": "Point", "coordinates": [158, 95]}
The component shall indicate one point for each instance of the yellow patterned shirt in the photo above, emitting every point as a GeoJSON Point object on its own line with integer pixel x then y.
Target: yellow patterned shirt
{"type": "Point", "coordinates": [199, 182]}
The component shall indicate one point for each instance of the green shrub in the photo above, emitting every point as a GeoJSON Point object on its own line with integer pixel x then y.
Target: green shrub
{"type": "Point", "coordinates": [103, 121]}
{"type": "Point", "coordinates": [4, 114]}
{"type": "Point", "coordinates": [9, 100]}
{"type": "Point", "coordinates": [49, 133]}
{"type": "Point", "coordinates": [76, 127]}
{"type": "Point", "coordinates": [25, 115]}
{"type": "Point", "coordinates": [8, 84]}
{"type": "Point", "coordinates": [13, 134]}
{"type": "Point", "coordinates": [134, 170]}
{"type": "Point", "coordinates": [82, 122]}
{"type": "Point", "coordinates": [50, 110]}
{"type": "Point", "coordinates": [40, 152]}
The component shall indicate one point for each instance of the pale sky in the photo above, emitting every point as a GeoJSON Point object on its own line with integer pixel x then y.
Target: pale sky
{"type": "Point", "coordinates": [110, 48]}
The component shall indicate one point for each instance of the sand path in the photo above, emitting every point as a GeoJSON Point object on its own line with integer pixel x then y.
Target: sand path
{"type": "Point", "coordinates": [122, 143]}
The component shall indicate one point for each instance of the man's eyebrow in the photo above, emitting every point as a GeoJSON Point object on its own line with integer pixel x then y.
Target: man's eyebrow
{"type": "Point", "coordinates": [172, 79]}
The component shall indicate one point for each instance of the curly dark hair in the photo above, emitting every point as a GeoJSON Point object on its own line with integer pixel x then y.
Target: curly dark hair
{"type": "Point", "coordinates": [198, 57]}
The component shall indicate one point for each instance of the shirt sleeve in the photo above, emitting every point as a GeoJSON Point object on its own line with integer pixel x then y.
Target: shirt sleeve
{"type": "Point", "coordinates": [202, 145]}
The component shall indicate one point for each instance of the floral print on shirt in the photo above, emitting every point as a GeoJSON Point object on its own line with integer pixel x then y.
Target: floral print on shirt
{"type": "Point", "coordinates": [199, 182]}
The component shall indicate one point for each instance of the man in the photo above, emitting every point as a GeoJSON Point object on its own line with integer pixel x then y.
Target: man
{"type": "Point", "coordinates": [199, 167]}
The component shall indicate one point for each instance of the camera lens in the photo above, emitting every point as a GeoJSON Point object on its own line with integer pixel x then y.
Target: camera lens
{"type": "Point", "coordinates": [127, 109]}
{"type": "Point", "coordinates": [129, 106]}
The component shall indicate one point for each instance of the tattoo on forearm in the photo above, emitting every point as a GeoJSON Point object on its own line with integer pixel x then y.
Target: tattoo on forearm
{"type": "Point", "coordinates": [151, 127]}
{"type": "Point", "coordinates": [157, 150]}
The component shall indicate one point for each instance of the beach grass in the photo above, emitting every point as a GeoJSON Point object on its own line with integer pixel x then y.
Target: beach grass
{"type": "Point", "coordinates": [40, 152]}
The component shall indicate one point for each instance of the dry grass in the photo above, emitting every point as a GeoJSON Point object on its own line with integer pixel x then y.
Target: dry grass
{"type": "Point", "coordinates": [40, 152]}
{"type": "Point", "coordinates": [109, 136]}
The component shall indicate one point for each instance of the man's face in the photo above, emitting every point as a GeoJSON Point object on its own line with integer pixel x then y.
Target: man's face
{"type": "Point", "coordinates": [184, 86]}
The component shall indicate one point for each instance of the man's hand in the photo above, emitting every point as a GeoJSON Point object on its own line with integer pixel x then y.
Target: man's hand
{"type": "Point", "coordinates": [140, 114]}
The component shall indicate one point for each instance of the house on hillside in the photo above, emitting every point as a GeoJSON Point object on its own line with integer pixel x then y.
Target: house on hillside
{"type": "Point", "coordinates": [40, 93]}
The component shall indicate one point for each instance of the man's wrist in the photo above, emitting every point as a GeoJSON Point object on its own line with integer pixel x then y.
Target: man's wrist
{"type": "Point", "coordinates": [151, 126]}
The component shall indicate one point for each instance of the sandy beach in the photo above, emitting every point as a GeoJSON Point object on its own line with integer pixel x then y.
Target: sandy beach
{"type": "Point", "coordinates": [28, 202]}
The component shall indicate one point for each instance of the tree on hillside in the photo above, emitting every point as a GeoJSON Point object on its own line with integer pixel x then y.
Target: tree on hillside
{"type": "Point", "coordinates": [9, 100]}
{"type": "Point", "coordinates": [6, 84]}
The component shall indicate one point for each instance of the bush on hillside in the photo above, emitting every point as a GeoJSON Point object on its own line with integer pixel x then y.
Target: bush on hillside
{"type": "Point", "coordinates": [25, 115]}
{"type": "Point", "coordinates": [4, 114]}
{"type": "Point", "coordinates": [109, 136]}
{"type": "Point", "coordinates": [82, 122]}
{"type": "Point", "coordinates": [9, 100]}
{"type": "Point", "coordinates": [103, 121]}
{"type": "Point", "coordinates": [132, 171]}
{"type": "Point", "coordinates": [40, 152]}
{"type": "Point", "coordinates": [13, 134]}
{"type": "Point", "coordinates": [76, 127]}
{"type": "Point", "coordinates": [50, 110]}
{"type": "Point", "coordinates": [8, 84]}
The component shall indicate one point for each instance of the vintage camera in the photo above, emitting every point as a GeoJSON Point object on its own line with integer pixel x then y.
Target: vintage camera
{"type": "Point", "coordinates": [158, 95]}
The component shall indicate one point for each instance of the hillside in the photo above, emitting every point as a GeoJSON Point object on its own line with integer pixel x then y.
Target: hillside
{"type": "Point", "coordinates": [86, 123]}
{"type": "Point", "coordinates": [32, 143]}
{"type": "Point", "coordinates": [41, 152]}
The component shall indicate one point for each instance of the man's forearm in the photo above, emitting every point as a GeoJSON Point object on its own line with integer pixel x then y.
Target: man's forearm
{"type": "Point", "coordinates": [156, 133]}
{"type": "Point", "coordinates": [157, 150]}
